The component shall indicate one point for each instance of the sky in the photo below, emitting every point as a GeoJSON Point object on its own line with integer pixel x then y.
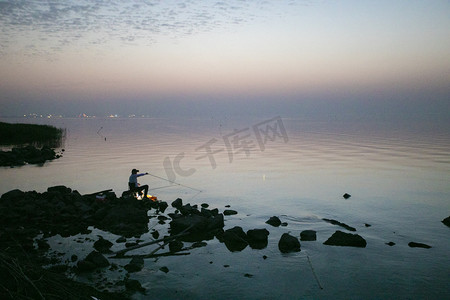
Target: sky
{"type": "Point", "coordinates": [292, 58]}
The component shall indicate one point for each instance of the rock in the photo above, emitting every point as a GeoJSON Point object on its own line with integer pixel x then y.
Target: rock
{"type": "Point", "coordinates": [367, 225]}
{"type": "Point", "coordinates": [85, 266]}
{"type": "Point", "coordinates": [346, 196]}
{"type": "Point", "coordinates": [446, 221]}
{"type": "Point", "coordinates": [274, 221]}
{"type": "Point", "coordinates": [135, 265]}
{"type": "Point", "coordinates": [164, 269]}
{"type": "Point", "coordinates": [308, 235]}
{"type": "Point", "coordinates": [175, 246]}
{"type": "Point", "coordinates": [133, 285]}
{"type": "Point", "coordinates": [102, 245]}
{"type": "Point", "coordinates": [340, 238]}
{"type": "Point", "coordinates": [178, 203]}
{"type": "Point", "coordinates": [14, 194]}
{"type": "Point", "coordinates": [343, 225]}
{"type": "Point", "coordinates": [97, 259]}
{"type": "Point", "coordinates": [288, 243]}
{"type": "Point", "coordinates": [235, 239]}
{"type": "Point", "coordinates": [122, 239]}
{"type": "Point", "coordinates": [229, 212]}
{"type": "Point", "coordinates": [61, 189]}
{"type": "Point", "coordinates": [418, 245]}
{"type": "Point", "coordinates": [257, 238]}
{"type": "Point", "coordinates": [390, 244]}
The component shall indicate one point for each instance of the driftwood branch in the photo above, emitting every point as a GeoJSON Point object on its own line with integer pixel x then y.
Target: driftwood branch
{"type": "Point", "coordinates": [153, 255]}
{"type": "Point", "coordinates": [166, 240]}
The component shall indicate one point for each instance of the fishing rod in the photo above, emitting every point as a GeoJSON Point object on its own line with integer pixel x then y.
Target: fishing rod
{"type": "Point", "coordinates": [173, 182]}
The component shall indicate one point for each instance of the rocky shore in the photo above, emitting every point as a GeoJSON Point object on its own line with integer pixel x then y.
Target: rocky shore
{"type": "Point", "coordinates": [19, 156]}
{"type": "Point", "coordinates": [29, 219]}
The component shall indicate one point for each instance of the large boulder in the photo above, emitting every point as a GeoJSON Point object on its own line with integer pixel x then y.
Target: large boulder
{"type": "Point", "coordinates": [340, 238]}
{"type": "Point", "coordinates": [274, 221]}
{"type": "Point", "coordinates": [257, 238]}
{"type": "Point", "coordinates": [288, 243]}
{"type": "Point", "coordinates": [135, 265]}
{"type": "Point", "coordinates": [235, 239]}
{"type": "Point", "coordinates": [308, 235]}
{"type": "Point", "coordinates": [102, 245]}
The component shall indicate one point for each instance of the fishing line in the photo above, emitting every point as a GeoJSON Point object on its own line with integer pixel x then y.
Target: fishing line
{"type": "Point", "coordinates": [173, 182]}
{"type": "Point", "coordinates": [312, 270]}
{"type": "Point", "coordinates": [161, 187]}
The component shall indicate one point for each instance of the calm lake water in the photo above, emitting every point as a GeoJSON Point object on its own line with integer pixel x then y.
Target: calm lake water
{"type": "Point", "coordinates": [398, 174]}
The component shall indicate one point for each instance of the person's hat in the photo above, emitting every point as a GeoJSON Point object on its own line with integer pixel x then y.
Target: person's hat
{"type": "Point", "coordinates": [134, 171]}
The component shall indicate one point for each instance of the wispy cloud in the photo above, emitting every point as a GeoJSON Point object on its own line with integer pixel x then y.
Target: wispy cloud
{"type": "Point", "coordinates": [46, 27]}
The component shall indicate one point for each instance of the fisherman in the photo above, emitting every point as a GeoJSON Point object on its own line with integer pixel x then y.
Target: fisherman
{"type": "Point", "coordinates": [133, 184]}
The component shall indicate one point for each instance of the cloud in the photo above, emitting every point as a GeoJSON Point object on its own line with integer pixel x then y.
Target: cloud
{"type": "Point", "coordinates": [53, 25]}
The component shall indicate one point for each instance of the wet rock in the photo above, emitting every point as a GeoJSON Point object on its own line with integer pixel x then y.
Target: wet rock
{"type": "Point", "coordinates": [446, 221]}
{"type": "Point", "coordinates": [343, 225]}
{"type": "Point", "coordinates": [367, 225]}
{"type": "Point", "coordinates": [133, 285]}
{"type": "Point", "coordinates": [308, 235]}
{"type": "Point", "coordinates": [390, 244]}
{"type": "Point", "coordinates": [178, 203]}
{"type": "Point", "coordinates": [235, 239]}
{"type": "Point", "coordinates": [102, 245]}
{"type": "Point", "coordinates": [155, 234]}
{"type": "Point", "coordinates": [346, 196]}
{"type": "Point", "coordinates": [175, 246]}
{"type": "Point", "coordinates": [164, 269]}
{"type": "Point", "coordinates": [288, 243]}
{"type": "Point", "coordinates": [229, 212]}
{"type": "Point", "coordinates": [97, 259]}
{"type": "Point", "coordinates": [340, 238]}
{"type": "Point", "coordinates": [257, 238]}
{"type": "Point", "coordinates": [86, 266]}
{"type": "Point", "coordinates": [122, 239]}
{"type": "Point", "coordinates": [135, 265]}
{"type": "Point", "coordinates": [418, 245]}
{"type": "Point", "coordinates": [274, 221]}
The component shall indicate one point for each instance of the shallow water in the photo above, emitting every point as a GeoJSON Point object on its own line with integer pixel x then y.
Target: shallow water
{"type": "Point", "coordinates": [396, 172]}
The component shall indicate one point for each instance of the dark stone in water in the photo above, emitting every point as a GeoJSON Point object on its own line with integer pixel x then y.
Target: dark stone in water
{"type": "Point", "coordinates": [257, 238]}
{"type": "Point", "coordinates": [343, 225]}
{"type": "Point", "coordinates": [122, 239]}
{"type": "Point", "coordinates": [164, 269]}
{"type": "Point", "coordinates": [97, 259]}
{"type": "Point", "coordinates": [418, 245]}
{"type": "Point", "coordinates": [274, 221]}
{"type": "Point", "coordinates": [135, 265]}
{"type": "Point", "coordinates": [229, 212]}
{"type": "Point", "coordinates": [367, 225]}
{"type": "Point", "coordinates": [390, 244]}
{"type": "Point", "coordinates": [175, 246]}
{"type": "Point", "coordinates": [346, 196]}
{"type": "Point", "coordinates": [308, 235]}
{"type": "Point", "coordinates": [133, 285]}
{"type": "Point", "coordinates": [340, 238]}
{"type": "Point", "coordinates": [102, 245]}
{"type": "Point", "coordinates": [446, 221]}
{"type": "Point", "coordinates": [235, 239]}
{"type": "Point", "coordinates": [178, 203]}
{"type": "Point", "coordinates": [288, 243]}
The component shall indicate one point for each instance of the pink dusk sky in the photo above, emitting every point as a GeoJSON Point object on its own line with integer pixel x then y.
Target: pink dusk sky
{"type": "Point", "coordinates": [116, 56]}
